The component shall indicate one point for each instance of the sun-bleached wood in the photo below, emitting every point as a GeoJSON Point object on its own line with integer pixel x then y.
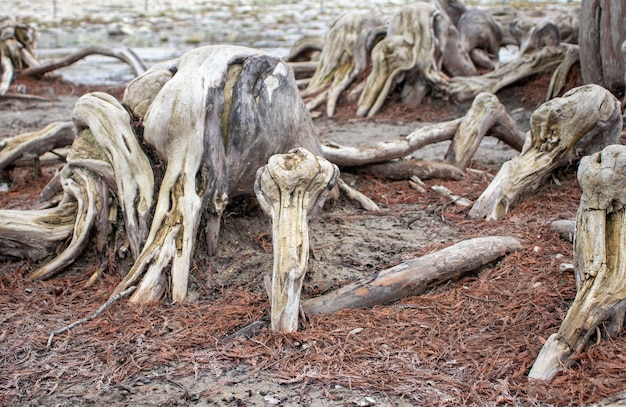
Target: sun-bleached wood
{"type": "Point", "coordinates": [583, 121]}
{"type": "Point", "coordinates": [599, 262]}
{"type": "Point", "coordinates": [291, 189]}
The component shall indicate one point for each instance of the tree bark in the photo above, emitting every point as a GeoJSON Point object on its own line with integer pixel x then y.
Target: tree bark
{"type": "Point", "coordinates": [602, 32]}
{"type": "Point", "coordinates": [414, 276]}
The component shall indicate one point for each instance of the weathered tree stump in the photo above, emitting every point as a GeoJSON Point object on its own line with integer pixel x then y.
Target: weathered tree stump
{"type": "Point", "coordinates": [197, 112]}
{"type": "Point", "coordinates": [291, 189]}
{"type": "Point", "coordinates": [17, 50]}
{"type": "Point", "coordinates": [344, 57]}
{"type": "Point", "coordinates": [410, 54]}
{"type": "Point", "coordinates": [481, 37]}
{"type": "Point", "coordinates": [599, 261]}
{"type": "Point", "coordinates": [583, 121]}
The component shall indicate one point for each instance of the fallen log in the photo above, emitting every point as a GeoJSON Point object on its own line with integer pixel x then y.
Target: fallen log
{"type": "Point", "coordinates": [405, 169]}
{"type": "Point", "coordinates": [583, 121]}
{"type": "Point", "coordinates": [599, 262]}
{"type": "Point", "coordinates": [414, 276]}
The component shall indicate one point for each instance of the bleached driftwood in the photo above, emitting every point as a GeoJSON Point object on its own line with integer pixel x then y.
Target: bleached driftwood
{"type": "Point", "coordinates": [481, 37]}
{"type": "Point", "coordinates": [344, 57]}
{"type": "Point", "coordinates": [414, 276]}
{"type": "Point", "coordinates": [124, 54]}
{"type": "Point", "coordinates": [217, 94]}
{"type": "Point", "coordinates": [540, 60]}
{"type": "Point", "coordinates": [487, 116]}
{"type": "Point", "coordinates": [407, 168]}
{"type": "Point", "coordinates": [410, 54]}
{"type": "Point", "coordinates": [599, 262]}
{"type": "Point", "coordinates": [583, 121]}
{"type": "Point", "coordinates": [34, 144]}
{"type": "Point", "coordinates": [17, 50]}
{"type": "Point", "coordinates": [291, 189]}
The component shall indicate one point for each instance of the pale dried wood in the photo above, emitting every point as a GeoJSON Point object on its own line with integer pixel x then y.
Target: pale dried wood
{"type": "Point", "coordinates": [344, 57]}
{"type": "Point", "coordinates": [414, 276]}
{"type": "Point", "coordinates": [541, 60]}
{"type": "Point", "coordinates": [583, 121]}
{"type": "Point", "coordinates": [411, 53]}
{"type": "Point", "coordinates": [226, 90]}
{"type": "Point", "coordinates": [54, 135]}
{"type": "Point", "coordinates": [291, 189]}
{"type": "Point", "coordinates": [348, 156]}
{"type": "Point", "coordinates": [599, 261]}
{"type": "Point", "coordinates": [406, 168]}
{"type": "Point", "coordinates": [486, 116]}
{"type": "Point", "coordinates": [124, 54]}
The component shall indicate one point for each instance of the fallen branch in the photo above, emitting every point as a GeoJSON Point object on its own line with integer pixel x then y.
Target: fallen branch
{"type": "Point", "coordinates": [415, 276]}
{"type": "Point", "coordinates": [124, 54]}
{"type": "Point", "coordinates": [89, 318]}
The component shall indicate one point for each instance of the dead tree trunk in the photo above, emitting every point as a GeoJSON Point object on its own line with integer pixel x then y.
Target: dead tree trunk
{"type": "Point", "coordinates": [583, 121]}
{"type": "Point", "coordinates": [602, 32]}
{"type": "Point", "coordinates": [599, 261]}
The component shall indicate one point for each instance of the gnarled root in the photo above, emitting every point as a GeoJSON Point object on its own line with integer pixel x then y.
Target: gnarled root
{"type": "Point", "coordinates": [199, 123]}
{"type": "Point", "coordinates": [345, 55]}
{"type": "Point", "coordinates": [487, 116]}
{"type": "Point", "coordinates": [583, 121]}
{"type": "Point", "coordinates": [292, 189]}
{"type": "Point", "coordinates": [599, 261]}
{"type": "Point", "coordinates": [411, 53]}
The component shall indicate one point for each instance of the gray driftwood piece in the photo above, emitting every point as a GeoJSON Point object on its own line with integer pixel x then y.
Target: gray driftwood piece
{"type": "Point", "coordinates": [345, 55]}
{"type": "Point", "coordinates": [415, 276]}
{"type": "Point", "coordinates": [583, 121]}
{"type": "Point", "coordinates": [291, 189]}
{"type": "Point", "coordinates": [196, 114]}
{"type": "Point", "coordinates": [599, 262]}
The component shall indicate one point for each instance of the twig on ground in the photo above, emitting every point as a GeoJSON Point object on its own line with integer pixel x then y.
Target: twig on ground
{"type": "Point", "coordinates": [99, 311]}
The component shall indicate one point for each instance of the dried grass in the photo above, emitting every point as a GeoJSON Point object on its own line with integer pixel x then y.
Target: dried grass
{"type": "Point", "coordinates": [468, 342]}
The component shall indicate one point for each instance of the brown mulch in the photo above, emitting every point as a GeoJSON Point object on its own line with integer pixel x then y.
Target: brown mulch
{"type": "Point", "coordinates": [467, 342]}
